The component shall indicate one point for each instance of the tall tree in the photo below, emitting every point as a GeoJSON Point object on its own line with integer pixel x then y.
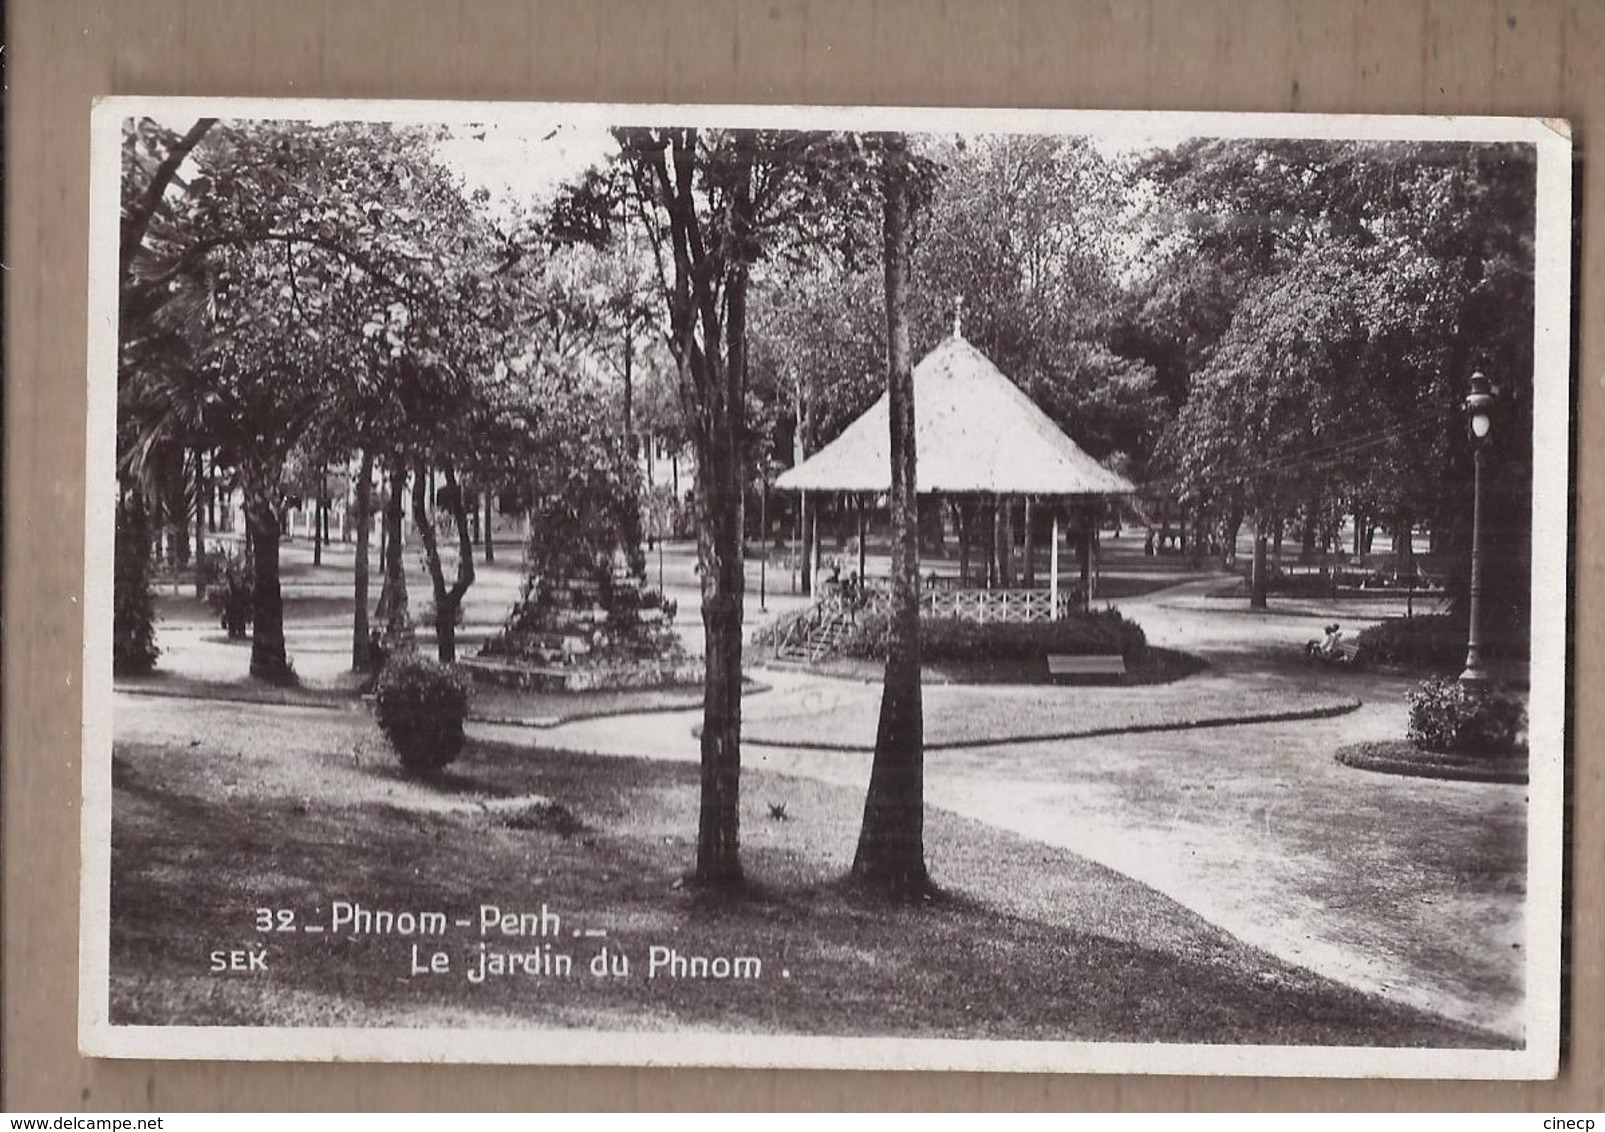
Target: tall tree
{"type": "Point", "coordinates": [891, 843]}
{"type": "Point", "coordinates": [259, 277]}
{"type": "Point", "coordinates": [713, 203]}
{"type": "Point", "coordinates": [1350, 289]}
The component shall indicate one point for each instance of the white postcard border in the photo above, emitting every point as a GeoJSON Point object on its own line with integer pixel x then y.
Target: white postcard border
{"type": "Point", "coordinates": [1550, 576]}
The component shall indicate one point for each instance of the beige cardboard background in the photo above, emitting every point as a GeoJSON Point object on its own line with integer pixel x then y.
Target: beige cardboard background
{"type": "Point", "coordinates": [1434, 56]}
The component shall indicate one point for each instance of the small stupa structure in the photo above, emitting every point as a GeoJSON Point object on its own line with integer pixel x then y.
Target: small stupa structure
{"type": "Point", "coordinates": [586, 619]}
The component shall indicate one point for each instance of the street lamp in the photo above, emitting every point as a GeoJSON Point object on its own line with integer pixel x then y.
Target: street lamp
{"type": "Point", "coordinates": [1479, 403]}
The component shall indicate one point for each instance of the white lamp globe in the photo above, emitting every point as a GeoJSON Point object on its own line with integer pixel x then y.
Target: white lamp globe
{"type": "Point", "coordinates": [1479, 425]}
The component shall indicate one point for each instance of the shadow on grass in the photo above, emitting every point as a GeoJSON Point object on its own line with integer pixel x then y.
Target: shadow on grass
{"type": "Point", "coordinates": [1023, 942]}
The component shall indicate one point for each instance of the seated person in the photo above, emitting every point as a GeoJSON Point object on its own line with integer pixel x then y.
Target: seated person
{"type": "Point", "coordinates": [1328, 646]}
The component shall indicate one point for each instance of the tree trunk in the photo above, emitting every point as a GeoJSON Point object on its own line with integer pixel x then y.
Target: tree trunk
{"type": "Point", "coordinates": [1234, 525]}
{"type": "Point", "coordinates": [138, 216]}
{"type": "Point", "coordinates": [1256, 597]}
{"type": "Point", "coordinates": [490, 538]}
{"type": "Point", "coordinates": [721, 500]}
{"type": "Point", "coordinates": [891, 842]}
{"type": "Point", "coordinates": [269, 661]}
{"type": "Point", "coordinates": [178, 532]}
{"type": "Point", "coordinates": [393, 599]}
{"type": "Point", "coordinates": [360, 658]}
{"type": "Point", "coordinates": [318, 531]}
{"type": "Point", "coordinates": [629, 387]}
{"type": "Point", "coordinates": [721, 496]}
{"type": "Point", "coordinates": [200, 525]}
{"type": "Point", "coordinates": [447, 600]}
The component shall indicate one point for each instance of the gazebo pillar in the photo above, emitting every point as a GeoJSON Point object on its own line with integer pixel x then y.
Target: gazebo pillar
{"type": "Point", "coordinates": [1053, 570]}
{"type": "Point", "coordinates": [1085, 554]}
{"type": "Point", "coordinates": [813, 552]}
{"type": "Point", "coordinates": [1028, 565]}
{"type": "Point", "coordinates": [807, 563]}
{"type": "Point", "coordinates": [863, 530]}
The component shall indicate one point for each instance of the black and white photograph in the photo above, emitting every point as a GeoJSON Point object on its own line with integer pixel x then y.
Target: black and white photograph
{"type": "Point", "coordinates": [852, 588]}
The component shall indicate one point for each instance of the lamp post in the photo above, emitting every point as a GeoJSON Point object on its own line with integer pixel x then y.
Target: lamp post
{"type": "Point", "coordinates": [1479, 403]}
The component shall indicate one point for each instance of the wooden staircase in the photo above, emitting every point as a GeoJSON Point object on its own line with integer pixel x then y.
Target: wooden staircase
{"type": "Point", "coordinates": [814, 638]}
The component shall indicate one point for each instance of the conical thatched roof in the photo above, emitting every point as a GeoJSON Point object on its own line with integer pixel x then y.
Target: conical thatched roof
{"type": "Point", "coordinates": [975, 431]}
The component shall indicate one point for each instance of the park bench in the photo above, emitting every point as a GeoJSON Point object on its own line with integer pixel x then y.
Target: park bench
{"type": "Point", "coordinates": [1345, 654]}
{"type": "Point", "coordinates": [1085, 669]}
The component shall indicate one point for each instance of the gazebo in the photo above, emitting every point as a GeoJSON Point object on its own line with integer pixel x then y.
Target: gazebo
{"type": "Point", "coordinates": [978, 438]}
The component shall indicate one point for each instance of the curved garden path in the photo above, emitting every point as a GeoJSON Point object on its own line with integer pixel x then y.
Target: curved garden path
{"type": "Point", "coordinates": [1408, 888]}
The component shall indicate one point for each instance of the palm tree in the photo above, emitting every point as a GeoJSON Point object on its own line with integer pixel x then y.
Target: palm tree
{"type": "Point", "coordinates": [891, 843]}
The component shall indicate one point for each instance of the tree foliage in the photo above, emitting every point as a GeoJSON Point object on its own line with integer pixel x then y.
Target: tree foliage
{"type": "Point", "coordinates": [1342, 294]}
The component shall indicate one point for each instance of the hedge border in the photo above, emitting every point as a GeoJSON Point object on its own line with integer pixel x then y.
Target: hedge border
{"type": "Point", "coordinates": [1404, 759]}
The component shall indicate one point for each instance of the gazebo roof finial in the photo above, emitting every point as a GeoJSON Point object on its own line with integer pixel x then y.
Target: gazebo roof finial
{"type": "Point", "coordinates": [958, 316]}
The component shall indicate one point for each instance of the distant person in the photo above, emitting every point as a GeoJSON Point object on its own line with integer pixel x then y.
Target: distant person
{"type": "Point", "coordinates": [1329, 646]}
{"type": "Point", "coordinates": [833, 584]}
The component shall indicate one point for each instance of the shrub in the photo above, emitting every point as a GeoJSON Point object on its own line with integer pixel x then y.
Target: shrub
{"type": "Point", "coordinates": [1097, 632]}
{"type": "Point", "coordinates": [656, 599]}
{"type": "Point", "coordinates": [421, 707]}
{"type": "Point", "coordinates": [133, 641]}
{"type": "Point", "coordinates": [1435, 641]}
{"type": "Point", "coordinates": [230, 580]}
{"type": "Point", "coordinates": [1446, 715]}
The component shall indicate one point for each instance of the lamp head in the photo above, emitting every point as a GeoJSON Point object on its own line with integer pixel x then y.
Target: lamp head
{"type": "Point", "coordinates": [1479, 403]}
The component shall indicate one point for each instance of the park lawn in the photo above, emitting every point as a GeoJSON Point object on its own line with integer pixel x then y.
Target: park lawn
{"type": "Point", "coordinates": [1024, 942]}
{"type": "Point", "coordinates": [490, 704]}
{"type": "Point", "coordinates": [1158, 666]}
{"type": "Point", "coordinates": [343, 693]}
{"type": "Point", "coordinates": [495, 704]}
{"type": "Point", "coordinates": [959, 716]}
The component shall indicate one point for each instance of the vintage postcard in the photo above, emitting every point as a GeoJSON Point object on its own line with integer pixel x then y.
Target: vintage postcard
{"type": "Point", "coordinates": [862, 588]}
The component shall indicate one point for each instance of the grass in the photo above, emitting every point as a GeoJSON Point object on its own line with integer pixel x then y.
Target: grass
{"type": "Point", "coordinates": [1028, 942]}
{"type": "Point", "coordinates": [244, 689]}
{"type": "Point", "coordinates": [500, 704]}
{"type": "Point", "coordinates": [1158, 666]}
{"type": "Point", "coordinates": [958, 716]}
{"type": "Point", "coordinates": [491, 703]}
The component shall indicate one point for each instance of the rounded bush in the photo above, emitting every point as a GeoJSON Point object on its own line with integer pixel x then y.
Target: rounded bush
{"type": "Point", "coordinates": [421, 707]}
{"type": "Point", "coordinates": [1446, 715]}
{"type": "Point", "coordinates": [1431, 641]}
{"type": "Point", "coordinates": [1093, 632]}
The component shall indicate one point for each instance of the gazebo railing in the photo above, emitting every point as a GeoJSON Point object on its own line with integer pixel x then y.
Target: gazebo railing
{"type": "Point", "coordinates": [1015, 605]}
{"type": "Point", "coordinates": [965, 604]}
